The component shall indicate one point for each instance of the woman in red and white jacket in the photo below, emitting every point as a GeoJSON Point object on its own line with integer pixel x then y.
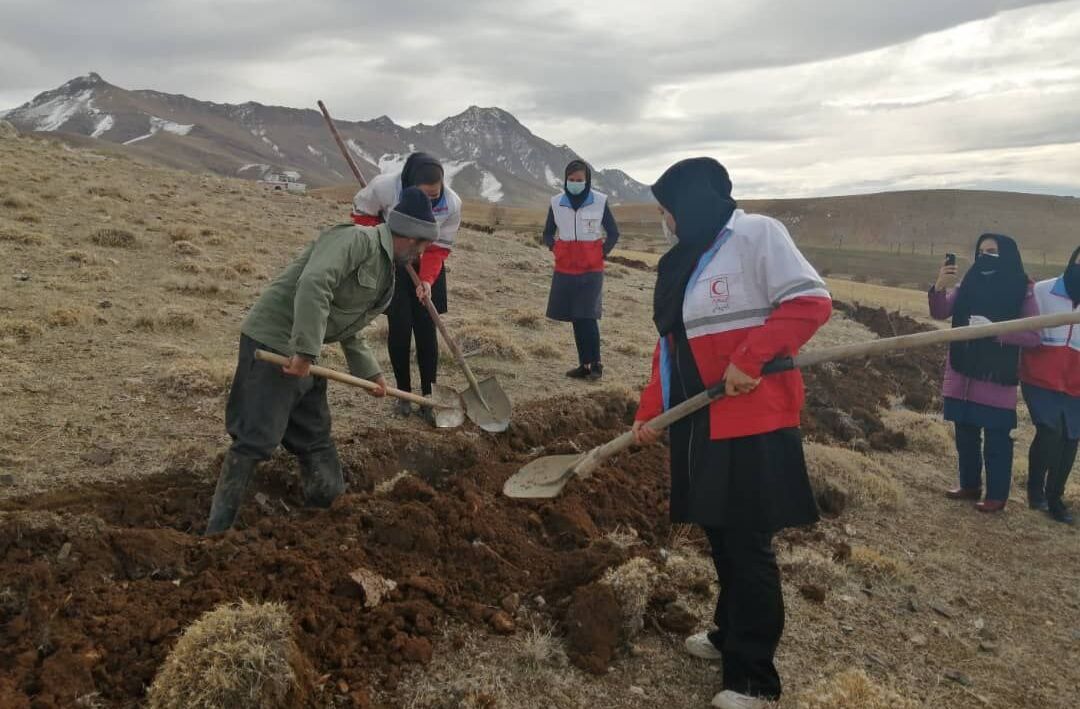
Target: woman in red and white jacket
{"type": "Point", "coordinates": [1050, 380]}
{"type": "Point", "coordinates": [407, 316]}
{"type": "Point", "coordinates": [732, 294]}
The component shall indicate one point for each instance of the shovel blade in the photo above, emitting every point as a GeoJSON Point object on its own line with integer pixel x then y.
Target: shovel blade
{"type": "Point", "coordinates": [452, 413]}
{"type": "Point", "coordinates": [543, 478]}
{"type": "Point", "coordinates": [495, 417]}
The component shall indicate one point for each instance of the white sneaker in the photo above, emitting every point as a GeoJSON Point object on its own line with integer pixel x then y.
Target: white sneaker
{"type": "Point", "coordinates": [699, 645]}
{"type": "Point", "coordinates": [733, 700]}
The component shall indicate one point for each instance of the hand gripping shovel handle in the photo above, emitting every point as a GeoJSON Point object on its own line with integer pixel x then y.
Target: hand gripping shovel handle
{"type": "Point", "coordinates": [591, 460]}
{"type": "Point", "coordinates": [352, 381]}
{"type": "Point", "coordinates": [450, 341]}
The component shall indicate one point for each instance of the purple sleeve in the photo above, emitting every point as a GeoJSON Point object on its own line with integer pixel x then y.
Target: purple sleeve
{"type": "Point", "coordinates": [1029, 309]}
{"type": "Point", "coordinates": [941, 303]}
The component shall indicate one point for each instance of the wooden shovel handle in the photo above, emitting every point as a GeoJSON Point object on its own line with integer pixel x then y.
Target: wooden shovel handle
{"type": "Point", "coordinates": [591, 460]}
{"type": "Point", "coordinates": [450, 341]}
{"type": "Point", "coordinates": [341, 145]}
{"type": "Point", "coordinates": [337, 376]}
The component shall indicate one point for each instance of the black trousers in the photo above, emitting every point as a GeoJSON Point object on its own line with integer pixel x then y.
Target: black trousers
{"type": "Point", "coordinates": [750, 610]}
{"type": "Point", "coordinates": [408, 319]}
{"type": "Point", "coordinates": [587, 339]}
{"type": "Point", "coordinates": [267, 408]}
{"type": "Point", "coordinates": [1050, 460]}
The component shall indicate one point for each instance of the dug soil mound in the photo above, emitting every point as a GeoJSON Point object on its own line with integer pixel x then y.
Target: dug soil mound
{"type": "Point", "coordinates": [844, 400]}
{"type": "Point", "coordinates": [97, 584]}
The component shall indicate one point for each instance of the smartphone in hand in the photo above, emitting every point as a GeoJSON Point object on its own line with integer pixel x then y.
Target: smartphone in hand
{"type": "Point", "coordinates": [950, 259]}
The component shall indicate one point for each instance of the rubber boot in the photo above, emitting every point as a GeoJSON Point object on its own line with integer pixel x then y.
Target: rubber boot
{"type": "Point", "coordinates": [236, 474]}
{"type": "Point", "coordinates": [321, 478]}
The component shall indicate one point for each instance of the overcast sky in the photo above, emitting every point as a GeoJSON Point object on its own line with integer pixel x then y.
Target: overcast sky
{"type": "Point", "coordinates": [796, 97]}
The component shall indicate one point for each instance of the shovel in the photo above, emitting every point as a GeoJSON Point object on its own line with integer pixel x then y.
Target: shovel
{"type": "Point", "coordinates": [444, 401]}
{"type": "Point", "coordinates": [485, 402]}
{"type": "Point", "coordinates": [545, 477]}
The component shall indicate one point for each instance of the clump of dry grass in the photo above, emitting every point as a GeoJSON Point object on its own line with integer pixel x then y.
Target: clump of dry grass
{"type": "Point", "coordinates": [465, 293]}
{"type": "Point", "coordinates": [489, 342]}
{"type": "Point", "coordinates": [170, 318]}
{"type": "Point", "coordinates": [14, 235]}
{"type": "Point", "coordinates": [690, 571]}
{"type": "Point", "coordinates": [810, 566]}
{"type": "Point", "coordinates": [852, 689]}
{"type": "Point", "coordinates": [17, 200]}
{"type": "Point", "coordinates": [540, 648]}
{"type": "Point", "coordinates": [925, 433]}
{"type": "Point", "coordinates": [189, 266]}
{"type": "Point", "coordinates": [625, 348]}
{"type": "Point", "coordinates": [633, 584]}
{"type": "Point", "coordinates": [28, 218]}
{"type": "Point", "coordinates": [81, 257]}
{"type": "Point", "coordinates": [94, 274]}
{"type": "Point", "coordinates": [244, 267]}
{"type": "Point", "coordinates": [859, 477]}
{"type": "Point", "coordinates": [623, 537]}
{"type": "Point", "coordinates": [526, 318]}
{"type": "Point", "coordinates": [874, 564]}
{"type": "Point", "coordinates": [180, 232]}
{"type": "Point", "coordinates": [193, 287]}
{"type": "Point", "coordinates": [544, 351]}
{"type": "Point", "coordinates": [386, 486]}
{"type": "Point", "coordinates": [107, 191]}
{"type": "Point", "coordinates": [234, 657]}
{"type": "Point", "coordinates": [186, 248]}
{"type": "Point", "coordinates": [114, 238]}
{"type": "Point", "coordinates": [65, 317]}
{"type": "Point", "coordinates": [195, 377]}
{"type": "Point", "coordinates": [20, 329]}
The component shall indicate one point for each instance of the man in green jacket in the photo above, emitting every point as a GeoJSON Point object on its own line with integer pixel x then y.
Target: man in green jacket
{"type": "Point", "coordinates": [335, 288]}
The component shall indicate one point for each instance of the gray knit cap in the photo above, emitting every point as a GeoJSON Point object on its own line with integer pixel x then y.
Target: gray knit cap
{"type": "Point", "coordinates": [412, 216]}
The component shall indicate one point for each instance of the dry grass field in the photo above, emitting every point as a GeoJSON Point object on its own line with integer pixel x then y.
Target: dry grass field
{"type": "Point", "coordinates": [122, 296]}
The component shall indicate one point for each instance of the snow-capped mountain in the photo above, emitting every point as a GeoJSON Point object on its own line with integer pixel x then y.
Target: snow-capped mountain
{"type": "Point", "coordinates": [488, 154]}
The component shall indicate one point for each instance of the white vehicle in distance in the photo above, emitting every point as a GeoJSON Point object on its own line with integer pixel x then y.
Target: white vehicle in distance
{"type": "Point", "coordinates": [283, 182]}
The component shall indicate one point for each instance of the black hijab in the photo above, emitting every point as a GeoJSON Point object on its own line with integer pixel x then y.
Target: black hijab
{"type": "Point", "coordinates": [412, 166]}
{"type": "Point", "coordinates": [697, 192]}
{"type": "Point", "coordinates": [1072, 278]}
{"type": "Point", "coordinates": [576, 200]}
{"type": "Point", "coordinates": [994, 288]}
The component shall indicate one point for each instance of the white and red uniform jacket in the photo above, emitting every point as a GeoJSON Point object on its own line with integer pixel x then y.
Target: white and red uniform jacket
{"type": "Point", "coordinates": [580, 237]}
{"type": "Point", "coordinates": [1054, 364]}
{"type": "Point", "coordinates": [371, 204]}
{"type": "Point", "coordinates": [753, 297]}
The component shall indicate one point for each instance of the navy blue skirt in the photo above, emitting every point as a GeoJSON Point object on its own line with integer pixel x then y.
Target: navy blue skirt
{"type": "Point", "coordinates": [968, 413]}
{"type": "Point", "coordinates": [1054, 409]}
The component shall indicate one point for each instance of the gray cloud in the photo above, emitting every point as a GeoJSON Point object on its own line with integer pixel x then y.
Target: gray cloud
{"type": "Point", "coordinates": [787, 89]}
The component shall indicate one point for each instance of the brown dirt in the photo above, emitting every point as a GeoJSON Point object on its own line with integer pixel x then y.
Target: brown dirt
{"type": "Point", "coordinates": [845, 399]}
{"type": "Point", "coordinates": [98, 606]}
{"type": "Point", "coordinates": [592, 623]}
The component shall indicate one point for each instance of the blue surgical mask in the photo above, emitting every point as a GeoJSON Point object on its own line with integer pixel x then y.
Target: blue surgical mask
{"type": "Point", "coordinates": [575, 187]}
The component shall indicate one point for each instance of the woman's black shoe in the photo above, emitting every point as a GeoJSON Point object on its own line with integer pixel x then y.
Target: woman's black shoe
{"type": "Point", "coordinates": [596, 372]}
{"type": "Point", "coordinates": [581, 372]}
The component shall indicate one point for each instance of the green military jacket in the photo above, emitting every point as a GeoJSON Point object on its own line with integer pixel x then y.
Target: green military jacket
{"type": "Point", "coordinates": [335, 288]}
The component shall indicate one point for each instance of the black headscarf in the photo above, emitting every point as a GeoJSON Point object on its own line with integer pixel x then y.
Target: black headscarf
{"type": "Point", "coordinates": [994, 288]}
{"type": "Point", "coordinates": [697, 192]}
{"type": "Point", "coordinates": [1072, 278]}
{"type": "Point", "coordinates": [576, 200]}
{"type": "Point", "coordinates": [412, 166]}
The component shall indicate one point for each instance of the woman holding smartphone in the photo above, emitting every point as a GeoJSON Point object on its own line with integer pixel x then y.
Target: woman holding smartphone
{"type": "Point", "coordinates": [981, 376]}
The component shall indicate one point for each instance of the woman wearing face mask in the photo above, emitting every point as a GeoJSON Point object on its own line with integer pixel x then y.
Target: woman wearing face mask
{"type": "Point", "coordinates": [575, 221]}
{"type": "Point", "coordinates": [1050, 376]}
{"type": "Point", "coordinates": [731, 294]}
{"type": "Point", "coordinates": [981, 375]}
